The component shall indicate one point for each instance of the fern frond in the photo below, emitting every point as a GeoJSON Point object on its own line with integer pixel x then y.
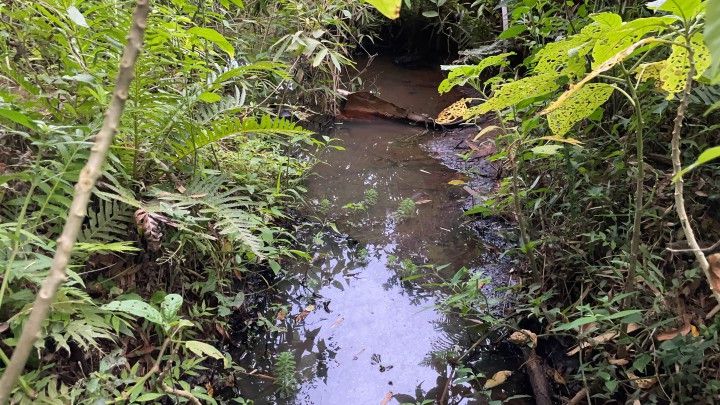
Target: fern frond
{"type": "Point", "coordinates": [107, 224]}
{"type": "Point", "coordinates": [232, 127]}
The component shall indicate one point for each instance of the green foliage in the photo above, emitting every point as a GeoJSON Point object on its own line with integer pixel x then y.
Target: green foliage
{"type": "Point", "coordinates": [285, 371]}
{"type": "Point", "coordinates": [712, 37]}
{"type": "Point", "coordinates": [406, 209]}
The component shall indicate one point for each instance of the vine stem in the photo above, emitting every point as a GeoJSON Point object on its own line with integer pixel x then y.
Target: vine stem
{"type": "Point", "coordinates": [89, 175]}
{"type": "Point", "coordinates": [677, 169]}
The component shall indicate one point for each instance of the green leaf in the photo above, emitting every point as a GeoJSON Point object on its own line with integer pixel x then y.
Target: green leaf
{"type": "Point", "coordinates": [546, 150]}
{"type": "Point", "coordinates": [210, 97]}
{"type": "Point", "coordinates": [136, 308]}
{"type": "Point", "coordinates": [150, 396]}
{"type": "Point", "coordinates": [460, 74]}
{"type": "Point", "coordinates": [622, 314]}
{"type": "Point", "coordinates": [512, 31]}
{"type": "Point", "coordinates": [214, 37]}
{"type": "Point", "coordinates": [514, 92]}
{"type": "Point", "coordinates": [430, 14]}
{"type": "Point", "coordinates": [578, 107]}
{"type": "Point", "coordinates": [389, 8]}
{"type": "Point", "coordinates": [625, 35]}
{"type": "Point", "coordinates": [705, 157]}
{"type": "Point", "coordinates": [170, 306]}
{"type": "Point", "coordinates": [685, 9]}
{"type": "Point", "coordinates": [76, 16]}
{"type": "Point", "coordinates": [576, 323]}
{"type": "Point", "coordinates": [17, 118]}
{"type": "Point", "coordinates": [204, 349]}
{"type": "Point", "coordinates": [674, 72]}
{"type": "Point", "coordinates": [712, 37]}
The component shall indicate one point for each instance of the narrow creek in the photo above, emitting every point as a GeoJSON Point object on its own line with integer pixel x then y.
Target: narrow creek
{"type": "Point", "coordinates": [363, 323]}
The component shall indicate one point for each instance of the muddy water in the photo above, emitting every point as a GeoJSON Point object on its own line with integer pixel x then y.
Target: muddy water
{"type": "Point", "coordinates": [362, 321]}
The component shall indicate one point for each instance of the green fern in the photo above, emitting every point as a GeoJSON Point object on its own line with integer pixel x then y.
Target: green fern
{"type": "Point", "coordinates": [285, 370]}
{"type": "Point", "coordinates": [108, 224]}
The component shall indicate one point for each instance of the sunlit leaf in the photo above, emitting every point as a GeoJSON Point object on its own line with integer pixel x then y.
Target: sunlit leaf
{"type": "Point", "coordinates": [706, 157]}
{"type": "Point", "coordinates": [578, 107]}
{"type": "Point", "coordinates": [76, 16]}
{"type": "Point", "coordinates": [204, 349]}
{"type": "Point", "coordinates": [389, 8]}
{"type": "Point", "coordinates": [712, 37]}
{"type": "Point", "coordinates": [214, 37]}
{"type": "Point", "coordinates": [136, 308]}
{"type": "Point", "coordinates": [497, 379]}
{"type": "Point", "coordinates": [685, 9]}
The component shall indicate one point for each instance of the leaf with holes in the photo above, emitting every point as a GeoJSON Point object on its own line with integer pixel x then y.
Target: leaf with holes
{"type": "Point", "coordinates": [578, 107]}
{"type": "Point", "coordinates": [675, 70]}
{"type": "Point", "coordinates": [170, 306]}
{"type": "Point", "coordinates": [712, 37]}
{"type": "Point", "coordinates": [136, 308]}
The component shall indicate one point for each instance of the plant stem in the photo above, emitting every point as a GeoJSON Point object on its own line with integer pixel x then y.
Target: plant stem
{"type": "Point", "coordinates": [83, 190]}
{"type": "Point", "coordinates": [639, 185]}
{"type": "Point", "coordinates": [677, 168]}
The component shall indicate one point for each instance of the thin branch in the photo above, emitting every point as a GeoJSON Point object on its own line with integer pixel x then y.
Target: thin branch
{"type": "Point", "coordinates": [677, 169]}
{"type": "Point", "coordinates": [83, 190]}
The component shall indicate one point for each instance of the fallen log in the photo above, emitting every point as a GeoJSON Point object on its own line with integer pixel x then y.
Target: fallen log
{"type": "Point", "coordinates": [363, 104]}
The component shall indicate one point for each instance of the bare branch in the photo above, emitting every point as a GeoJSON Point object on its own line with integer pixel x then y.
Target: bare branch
{"type": "Point", "coordinates": [83, 190]}
{"type": "Point", "coordinates": [677, 169]}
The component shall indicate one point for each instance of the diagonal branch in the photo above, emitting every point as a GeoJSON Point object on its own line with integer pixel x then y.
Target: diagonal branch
{"type": "Point", "coordinates": [83, 190]}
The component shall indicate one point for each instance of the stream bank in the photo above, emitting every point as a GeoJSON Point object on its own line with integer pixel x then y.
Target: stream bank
{"type": "Point", "coordinates": [367, 319]}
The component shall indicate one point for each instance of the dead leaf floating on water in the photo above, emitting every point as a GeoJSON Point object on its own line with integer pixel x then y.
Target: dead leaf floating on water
{"type": "Point", "coordinates": [456, 182]}
{"type": "Point", "coordinates": [497, 379]}
{"type": "Point", "coordinates": [387, 398]}
{"type": "Point", "coordinates": [302, 315]}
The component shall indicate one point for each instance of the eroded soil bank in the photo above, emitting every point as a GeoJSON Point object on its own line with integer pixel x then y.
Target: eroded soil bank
{"type": "Point", "coordinates": [385, 230]}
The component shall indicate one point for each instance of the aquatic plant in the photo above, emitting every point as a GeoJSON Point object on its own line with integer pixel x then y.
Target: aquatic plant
{"type": "Point", "coordinates": [406, 209]}
{"type": "Point", "coordinates": [285, 374]}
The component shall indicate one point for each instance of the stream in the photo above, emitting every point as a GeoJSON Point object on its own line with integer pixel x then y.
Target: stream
{"type": "Point", "coordinates": [363, 322]}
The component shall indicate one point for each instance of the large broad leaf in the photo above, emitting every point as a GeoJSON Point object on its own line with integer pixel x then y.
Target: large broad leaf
{"type": "Point", "coordinates": [389, 8]}
{"type": "Point", "coordinates": [214, 37]}
{"type": "Point", "coordinates": [685, 9]}
{"type": "Point", "coordinates": [515, 92]}
{"type": "Point", "coordinates": [705, 157]}
{"type": "Point", "coordinates": [675, 71]}
{"type": "Point", "coordinates": [712, 37]}
{"type": "Point", "coordinates": [625, 35]}
{"type": "Point", "coordinates": [204, 349]}
{"type": "Point", "coordinates": [578, 107]}
{"type": "Point", "coordinates": [136, 308]}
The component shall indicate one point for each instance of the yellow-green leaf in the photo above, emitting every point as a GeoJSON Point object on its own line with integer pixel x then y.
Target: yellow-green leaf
{"type": "Point", "coordinates": [514, 92]}
{"type": "Point", "coordinates": [674, 73]}
{"type": "Point", "coordinates": [712, 37]}
{"type": "Point", "coordinates": [210, 97]}
{"type": "Point", "coordinates": [214, 37]}
{"type": "Point", "coordinates": [456, 182]}
{"type": "Point", "coordinates": [578, 107]}
{"type": "Point", "coordinates": [204, 349]}
{"type": "Point", "coordinates": [389, 8]}
{"type": "Point", "coordinates": [685, 9]}
{"type": "Point", "coordinates": [627, 34]}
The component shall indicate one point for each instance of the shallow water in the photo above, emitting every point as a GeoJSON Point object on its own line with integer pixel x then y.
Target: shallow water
{"type": "Point", "coordinates": [368, 324]}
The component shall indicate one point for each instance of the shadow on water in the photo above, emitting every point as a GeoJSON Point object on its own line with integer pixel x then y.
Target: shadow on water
{"type": "Point", "coordinates": [359, 331]}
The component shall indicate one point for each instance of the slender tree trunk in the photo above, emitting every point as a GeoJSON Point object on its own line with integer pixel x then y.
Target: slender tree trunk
{"type": "Point", "coordinates": [83, 190]}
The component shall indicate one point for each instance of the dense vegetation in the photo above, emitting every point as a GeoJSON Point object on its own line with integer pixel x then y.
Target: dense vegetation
{"type": "Point", "coordinates": [603, 113]}
{"type": "Point", "coordinates": [608, 115]}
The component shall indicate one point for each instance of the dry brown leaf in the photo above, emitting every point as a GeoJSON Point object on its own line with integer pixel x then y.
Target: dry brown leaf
{"type": "Point", "coordinates": [557, 377]}
{"type": "Point", "coordinates": [669, 335]}
{"type": "Point", "coordinates": [594, 341]}
{"type": "Point", "coordinates": [642, 383]}
{"type": "Point", "coordinates": [618, 362]}
{"type": "Point", "coordinates": [422, 202]}
{"type": "Point", "coordinates": [522, 337]}
{"type": "Point", "coordinates": [302, 315]}
{"type": "Point", "coordinates": [714, 262]}
{"type": "Point", "coordinates": [281, 315]}
{"type": "Point", "coordinates": [497, 379]}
